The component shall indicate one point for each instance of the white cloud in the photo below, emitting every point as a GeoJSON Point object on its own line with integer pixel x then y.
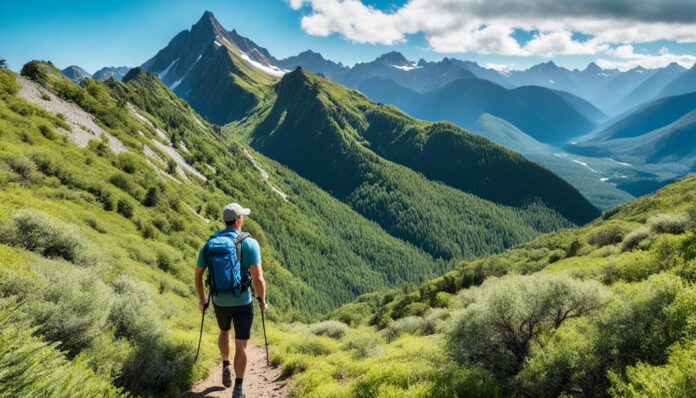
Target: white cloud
{"type": "Point", "coordinates": [487, 27]}
{"type": "Point", "coordinates": [626, 58]}
{"type": "Point", "coordinates": [502, 68]}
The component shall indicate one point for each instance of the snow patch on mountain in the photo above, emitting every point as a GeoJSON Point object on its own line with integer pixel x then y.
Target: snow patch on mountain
{"type": "Point", "coordinates": [273, 70]}
{"type": "Point", "coordinates": [163, 74]}
{"type": "Point", "coordinates": [406, 67]}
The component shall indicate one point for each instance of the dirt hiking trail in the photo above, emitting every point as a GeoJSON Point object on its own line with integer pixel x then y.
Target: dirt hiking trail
{"type": "Point", "coordinates": [260, 380]}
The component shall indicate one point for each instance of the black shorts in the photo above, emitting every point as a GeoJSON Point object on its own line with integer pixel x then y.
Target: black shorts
{"type": "Point", "coordinates": [241, 316]}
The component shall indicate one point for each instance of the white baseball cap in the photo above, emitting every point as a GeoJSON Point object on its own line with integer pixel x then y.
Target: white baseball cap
{"type": "Point", "coordinates": [234, 210]}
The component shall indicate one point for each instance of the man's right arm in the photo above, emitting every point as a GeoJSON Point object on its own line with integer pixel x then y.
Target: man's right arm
{"type": "Point", "coordinates": [198, 281]}
{"type": "Point", "coordinates": [259, 285]}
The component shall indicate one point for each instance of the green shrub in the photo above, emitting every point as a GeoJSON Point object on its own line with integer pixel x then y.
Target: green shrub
{"type": "Point", "coordinates": [125, 208]}
{"type": "Point", "coordinates": [310, 346]}
{"type": "Point", "coordinates": [33, 368]}
{"type": "Point", "coordinates": [36, 231]}
{"type": "Point", "coordinates": [24, 167]}
{"type": "Point", "coordinates": [688, 271]}
{"type": "Point", "coordinates": [134, 314]}
{"type": "Point", "coordinates": [635, 326]}
{"type": "Point", "coordinates": [507, 315]}
{"type": "Point", "coordinates": [333, 329]}
{"type": "Point", "coordinates": [669, 223]}
{"type": "Point", "coordinates": [636, 236]}
{"type": "Point", "coordinates": [151, 197]}
{"type": "Point", "coordinates": [410, 324]}
{"type": "Point", "coordinates": [565, 362]}
{"type": "Point", "coordinates": [609, 234]}
{"type": "Point", "coordinates": [126, 183]}
{"type": "Point", "coordinates": [72, 308]}
{"type": "Point", "coordinates": [47, 132]}
{"type": "Point", "coordinates": [363, 345]}
{"type": "Point", "coordinates": [159, 367]}
{"type": "Point", "coordinates": [677, 378]}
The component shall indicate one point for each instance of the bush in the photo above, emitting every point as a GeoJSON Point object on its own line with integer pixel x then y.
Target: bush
{"type": "Point", "coordinates": [675, 379]}
{"type": "Point", "coordinates": [363, 345]}
{"type": "Point", "coordinates": [134, 314]}
{"type": "Point", "coordinates": [636, 236]}
{"type": "Point", "coordinates": [36, 231]}
{"type": "Point", "coordinates": [72, 308]}
{"type": "Point", "coordinates": [24, 167]}
{"type": "Point", "coordinates": [410, 324]}
{"type": "Point", "coordinates": [47, 132]}
{"type": "Point", "coordinates": [609, 234]}
{"type": "Point", "coordinates": [310, 346]}
{"type": "Point", "coordinates": [151, 197]}
{"type": "Point", "coordinates": [33, 368]}
{"type": "Point", "coordinates": [333, 329]}
{"type": "Point", "coordinates": [124, 208]}
{"type": "Point", "coordinates": [565, 362]}
{"type": "Point", "coordinates": [636, 326]}
{"type": "Point", "coordinates": [507, 315]}
{"type": "Point", "coordinates": [669, 223]}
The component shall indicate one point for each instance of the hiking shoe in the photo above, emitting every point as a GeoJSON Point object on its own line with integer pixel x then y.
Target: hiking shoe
{"type": "Point", "coordinates": [237, 392]}
{"type": "Point", "coordinates": [226, 376]}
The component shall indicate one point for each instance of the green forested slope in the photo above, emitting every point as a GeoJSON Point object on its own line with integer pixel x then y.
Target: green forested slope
{"type": "Point", "coordinates": [99, 239]}
{"type": "Point", "coordinates": [608, 309]}
{"type": "Point", "coordinates": [335, 137]}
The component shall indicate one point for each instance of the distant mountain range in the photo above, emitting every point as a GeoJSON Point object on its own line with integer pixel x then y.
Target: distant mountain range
{"type": "Point", "coordinates": [229, 79]}
{"type": "Point", "coordinates": [610, 90]}
{"type": "Point", "coordinates": [77, 74]}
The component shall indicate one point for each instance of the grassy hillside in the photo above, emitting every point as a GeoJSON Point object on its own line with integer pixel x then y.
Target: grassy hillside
{"type": "Point", "coordinates": [355, 133]}
{"type": "Point", "coordinates": [104, 207]}
{"type": "Point", "coordinates": [604, 310]}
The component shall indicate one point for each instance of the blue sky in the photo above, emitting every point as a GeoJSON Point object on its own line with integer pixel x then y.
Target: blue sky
{"type": "Point", "coordinates": [93, 34]}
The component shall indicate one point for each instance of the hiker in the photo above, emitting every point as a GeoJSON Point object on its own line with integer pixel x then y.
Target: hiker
{"type": "Point", "coordinates": [231, 296]}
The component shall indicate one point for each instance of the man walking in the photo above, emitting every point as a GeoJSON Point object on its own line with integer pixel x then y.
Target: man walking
{"type": "Point", "coordinates": [233, 306]}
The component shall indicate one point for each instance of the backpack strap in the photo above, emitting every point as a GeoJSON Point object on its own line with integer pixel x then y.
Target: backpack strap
{"type": "Point", "coordinates": [206, 258]}
{"type": "Point", "coordinates": [238, 243]}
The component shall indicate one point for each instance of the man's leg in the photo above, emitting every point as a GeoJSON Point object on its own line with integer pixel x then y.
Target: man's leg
{"type": "Point", "coordinates": [224, 320]}
{"type": "Point", "coordinates": [240, 358]}
{"type": "Point", "coordinates": [242, 320]}
{"type": "Point", "coordinates": [224, 344]}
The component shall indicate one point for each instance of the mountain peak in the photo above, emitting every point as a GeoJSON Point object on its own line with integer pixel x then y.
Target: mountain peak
{"type": "Point", "coordinates": [75, 73]}
{"type": "Point", "coordinates": [393, 58]}
{"type": "Point", "coordinates": [593, 67]}
{"type": "Point", "coordinates": [674, 67]}
{"type": "Point", "coordinates": [209, 24]}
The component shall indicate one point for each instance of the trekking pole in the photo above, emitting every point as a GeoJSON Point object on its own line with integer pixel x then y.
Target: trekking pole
{"type": "Point", "coordinates": [200, 335]}
{"type": "Point", "coordinates": [263, 323]}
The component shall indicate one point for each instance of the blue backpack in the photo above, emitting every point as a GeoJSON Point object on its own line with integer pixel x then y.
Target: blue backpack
{"type": "Point", "coordinates": [223, 256]}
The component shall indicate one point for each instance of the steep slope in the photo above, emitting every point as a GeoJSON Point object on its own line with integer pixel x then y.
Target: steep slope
{"type": "Point", "coordinates": [685, 83]}
{"type": "Point", "coordinates": [220, 73]}
{"type": "Point", "coordinates": [649, 117]}
{"type": "Point", "coordinates": [354, 133]}
{"type": "Point", "coordinates": [650, 89]}
{"type": "Point", "coordinates": [117, 72]}
{"type": "Point", "coordinates": [549, 116]}
{"type": "Point", "coordinates": [76, 74]}
{"type": "Point", "coordinates": [672, 144]}
{"type": "Point", "coordinates": [593, 177]}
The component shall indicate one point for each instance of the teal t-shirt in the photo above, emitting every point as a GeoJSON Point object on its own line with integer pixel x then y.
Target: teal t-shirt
{"type": "Point", "coordinates": [251, 256]}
